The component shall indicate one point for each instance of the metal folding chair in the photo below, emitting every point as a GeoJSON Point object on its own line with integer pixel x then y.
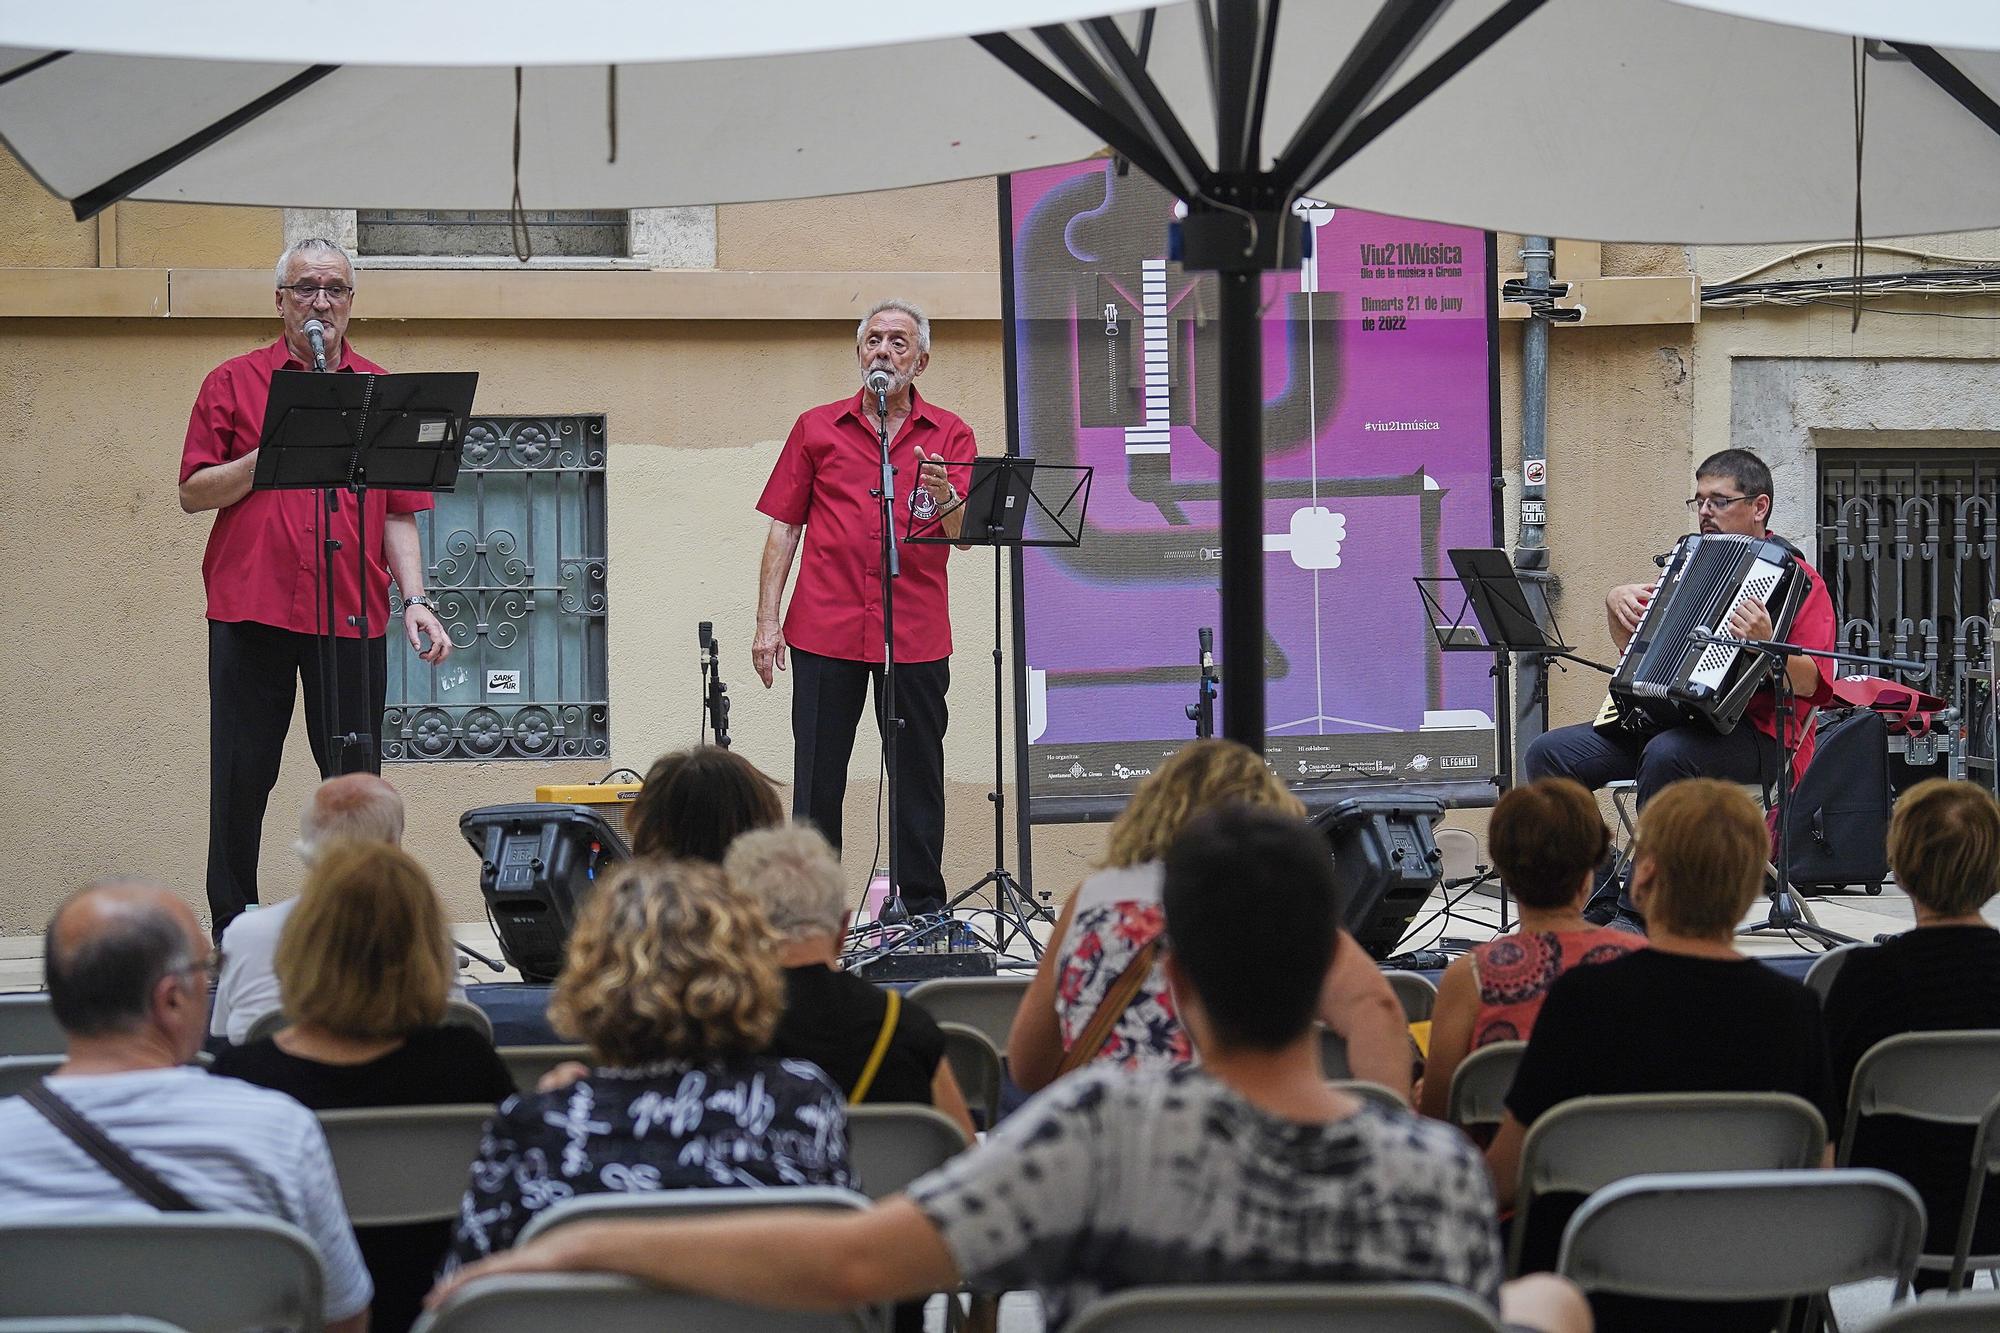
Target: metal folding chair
{"type": "Point", "coordinates": [686, 1203]}
{"type": "Point", "coordinates": [976, 1065]}
{"type": "Point", "coordinates": [403, 1164]}
{"type": "Point", "coordinates": [538, 1302]}
{"type": "Point", "coordinates": [1414, 1307]}
{"type": "Point", "coordinates": [1479, 1085]}
{"type": "Point", "coordinates": [528, 1063]}
{"type": "Point", "coordinates": [986, 1003]}
{"type": "Point", "coordinates": [890, 1146]}
{"type": "Point", "coordinates": [28, 1026]}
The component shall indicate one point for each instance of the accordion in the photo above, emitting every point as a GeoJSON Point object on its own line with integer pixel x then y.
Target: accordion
{"type": "Point", "coordinates": [1667, 679]}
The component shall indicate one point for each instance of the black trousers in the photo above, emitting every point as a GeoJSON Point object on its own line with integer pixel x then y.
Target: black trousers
{"type": "Point", "coordinates": [1593, 759]}
{"type": "Point", "coordinates": [827, 694]}
{"type": "Point", "coordinates": [253, 676]}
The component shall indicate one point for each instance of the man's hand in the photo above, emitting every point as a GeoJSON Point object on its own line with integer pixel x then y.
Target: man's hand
{"type": "Point", "coordinates": [1751, 619]}
{"type": "Point", "coordinates": [932, 477]}
{"type": "Point", "coordinates": [767, 650]}
{"type": "Point", "coordinates": [1626, 604]}
{"type": "Point", "coordinates": [421, 620]}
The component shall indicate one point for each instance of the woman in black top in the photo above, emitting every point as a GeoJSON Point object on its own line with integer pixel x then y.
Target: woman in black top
{"type": "Point", "coordinates": [1944, 845]}
{"type": "Point", "coordinates": [364, 968]}
{"type": "Point", "coordinates": [833, 1018]}
{"type": "Point", "coordinates": [1687, 1014]}
{"type": "Point", "coordinates": [672, 980]}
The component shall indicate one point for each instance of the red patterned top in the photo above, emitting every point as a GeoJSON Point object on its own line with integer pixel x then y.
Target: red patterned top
{"type": "Point", "coordinates": [1117, 914]}
{"type": "Point", "coordinates": [1514, 973]}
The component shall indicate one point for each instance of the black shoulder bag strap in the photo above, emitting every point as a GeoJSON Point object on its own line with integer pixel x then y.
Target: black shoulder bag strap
{"type": "Point", "coordinates": [125, 1168]}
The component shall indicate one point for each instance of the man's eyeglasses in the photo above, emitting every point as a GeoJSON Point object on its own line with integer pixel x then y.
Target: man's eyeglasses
{"type": "Point", "coordinates": [1714, 504]}
{"type": "Point", "coordinates": [307, 293]}
{"type": "Point", "coordinates": [210, 966]}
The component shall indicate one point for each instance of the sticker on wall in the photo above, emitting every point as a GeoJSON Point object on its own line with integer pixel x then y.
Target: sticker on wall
{"type": "Point", "coordinates": [503, 682]}
{"type": "Point", "coordinates": [1535, 472]}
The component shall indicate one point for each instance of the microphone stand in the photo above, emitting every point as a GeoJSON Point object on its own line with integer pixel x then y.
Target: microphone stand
{"type": "Point", "coordinates": [329, 645]}
{"type": "Point", "coordinates": [893, 911]}
{"type": "Point", "coordinates": [1202, 711]}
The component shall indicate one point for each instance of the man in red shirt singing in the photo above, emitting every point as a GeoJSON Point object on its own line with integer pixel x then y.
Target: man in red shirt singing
{"type": "Point", "coordinates": [1732, 495]}
{"type": "Point", "coordinates": [266, 602]}
{"type": "Point", "coordinates": [822, 489]}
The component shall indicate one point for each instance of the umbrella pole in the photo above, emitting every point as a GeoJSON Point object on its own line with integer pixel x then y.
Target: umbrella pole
{"type": "Point", "coordinates": [1242, 520]}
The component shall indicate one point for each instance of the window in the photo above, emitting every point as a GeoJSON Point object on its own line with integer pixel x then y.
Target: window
{"type": "Point", "coordinates": [515, 559]}
{"type": "Point", "coordinates": [459, 233]}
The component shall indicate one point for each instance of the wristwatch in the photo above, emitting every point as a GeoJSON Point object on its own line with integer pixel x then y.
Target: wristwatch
{"type": "Point", "coordinates": [420, 600]}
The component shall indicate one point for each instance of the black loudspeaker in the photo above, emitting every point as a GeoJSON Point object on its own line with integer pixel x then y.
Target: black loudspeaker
{"type": "Point", "coordinates": [1386, 861]}
{"type": "Point", "coordinates": [537, 865]}
{"type": "Point", "coordinates": [1838, 815]}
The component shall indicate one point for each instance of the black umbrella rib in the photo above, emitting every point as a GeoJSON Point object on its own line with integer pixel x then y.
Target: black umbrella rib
{"type": "Point", "coordinates": [1433, 76]}
{"type": "Point", "coordinates": [1124, 138]}
{"type": "Point", "coordinates": [1097, 83]}
{"type": "Point", "coordinates": [37, 63]}
{"type": "Point", "coordinates": [92, 202]}
{"type": "Point", "coordinates": [1390, 38]}
{"type": "Point", "coordinates": [1159, 120]}
{"type": "Point", "coordinates": [1953, 80]}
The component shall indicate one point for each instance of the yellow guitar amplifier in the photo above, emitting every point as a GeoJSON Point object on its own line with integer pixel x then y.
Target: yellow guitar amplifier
{"type": "Point", "coordinates": [595, 794]}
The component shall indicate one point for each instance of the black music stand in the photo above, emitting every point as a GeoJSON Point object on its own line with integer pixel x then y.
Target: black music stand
{"type": "Point", "coordinates": [1003, 508]}
{"type": "Point", "coordinates": [356, 432]}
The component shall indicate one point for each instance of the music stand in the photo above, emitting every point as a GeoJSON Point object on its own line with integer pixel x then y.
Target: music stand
{"type": "Point", "coordinates": [1007, 505]}
{"type": "Point", "coordinates": [355, 432]}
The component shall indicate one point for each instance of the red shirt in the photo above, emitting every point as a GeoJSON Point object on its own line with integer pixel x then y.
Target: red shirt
{"type": "Point", "coordinates": [263, 559]}
{"type": "Point", "coordinates": [830, 463]}
{"type": "Point", "coordinates": [1813, 627]}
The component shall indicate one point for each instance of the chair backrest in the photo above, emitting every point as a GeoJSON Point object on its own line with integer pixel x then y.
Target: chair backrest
{"type": "Point", "coordinates": [1287, 1308]}
{"type": "Point", "coordinates": [458, 1013]}
{"type": "Point", "coordinates": [18, 1071]}
{"type": "Point", "coordinates": [1369, 1091]}
{"type": "Point", "coordinates": [890, 1146]}
{"type": "Point", "coordinates": [1583, 1145]}
{"type": "Point", "coordinates": [1819, 977]}
{"type": "Point", "coordinates": [1957, 1314]}
{"type": "Point", "coordinates": [975, 1063]}
{"type": "Point", "coordinates": [986, 1003]}
{"type": "Point", "coordinates": [1479, 1085]}
{"type": "Point", "coordinates": [1985, 1162]}
{"type": "Point", "coordinates": [402, 1164]}
{"type": "Point", "coordinates": [1944, 1077]}
{"type": "Point", "coordinates": [1416, 994]}
{"type": "Point", "coordinates": [527, 1064]}
{"type": "Point", "coordinates": [1333, 1055]}
{"type": "Point", "coordinates": [205, 1272]}
{"type": "Point", "coordinates": [28, 1025]}
{"type": "Point", "coordinates": [101, 1323]}
{"type": "Point", "coordinates": [1743, 1235]}
{"type": "Point", "coordinates": [538, 1302]}
{"type": "Point", "coordinates": [686, 1203]}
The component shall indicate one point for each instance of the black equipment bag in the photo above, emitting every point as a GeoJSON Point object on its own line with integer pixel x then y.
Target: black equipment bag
{"type": "Point", "coordinates": [1839, 812]}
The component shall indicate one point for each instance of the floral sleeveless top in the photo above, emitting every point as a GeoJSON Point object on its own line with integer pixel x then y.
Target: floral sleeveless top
{"type": "Point", "coordinates": [1514, 973]}
{"type": "Point", "coordinates": [1117, 914]}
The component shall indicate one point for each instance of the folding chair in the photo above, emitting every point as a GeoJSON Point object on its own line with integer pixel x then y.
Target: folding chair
{"type": "Point", "coordinates": [1586, 1144]}
{"type": "Point", "coordinates": [459, 1013]}
{"type": "Point", "coordinates": [1819, 977]}
{"type": "Point", "coordinates": [976, 1065]}
{"type": "Point", "coordinates": [28, 1026]}
{"type": "Point", "coordinates": [1369, 1091]}
{"type": "Point", "coordinates": [18, 1071]}
{"type": "Point", "coordinates": [205, 1272]}
{"type": "Point", "coordinates": [1333, 1055]}
{"type": "Point", "coordinates": [121, 1323]}
{"type": "Point", "coordinates": [986, 1003]}
{"type": "Point", "coordinates": [1941, 1078]}
{"type": "Point", "coordinates": [528, 1063]}
{"type": "Point", "coordinates": [1479, 1085]}
{"type": "Point", "coordinates": [890, 1146]}
{"type": "Point", "coordinates": [403, 1164]}
{"type": "Point", "coordinates": [686, 1203]}
{"type": "Point", "coordinates": [538, 1302]}
{"type": "Point", "coordinates": [1416, 993]}
{"type": "Point", "coordinates": [1416, 1307]}
{"type": "Point", "coordinates": [1708, 1236]}
{"type": "Point", "coordinates": [1934, 1314]}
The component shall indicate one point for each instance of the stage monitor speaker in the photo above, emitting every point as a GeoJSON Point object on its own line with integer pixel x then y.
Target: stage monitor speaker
{"type": "Point", "coordinates": [537, 864]}
{"type": "Point", "coordinates": [1386, 861]}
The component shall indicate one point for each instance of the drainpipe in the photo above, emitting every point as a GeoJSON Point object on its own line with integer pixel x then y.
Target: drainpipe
{"type": "Point", "coordinates": [1531, 553]}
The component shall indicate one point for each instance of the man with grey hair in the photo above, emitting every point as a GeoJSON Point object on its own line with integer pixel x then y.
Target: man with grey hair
{"type": "Point", "coordinates": [354, 807]}
{"type": "Point", "coordinates": [128, 967]}
{"type": "Point", "coordinates": [832, 1018]}
{"type": "Point", "coordinates": [825, 491]}
{"type": "Point", "coordinates": [266, 606]}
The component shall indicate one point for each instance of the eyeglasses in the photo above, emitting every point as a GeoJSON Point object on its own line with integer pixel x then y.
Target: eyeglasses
{"type": "Point", "coordinates": [307, 293]}
{"type": "Point", "coordinates": [1714, 504]}
{"type": "Point", "coordinates": [211, 966]}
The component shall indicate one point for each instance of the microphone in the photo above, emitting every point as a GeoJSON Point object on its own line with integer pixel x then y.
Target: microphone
{"type": "Point", "coordinates": [878, 383]}
{"type": "Point", "coordinates": [705, 636]}
{"type": "Point", "coordinates": [316, 334]}
{"type": "Point", "coordinates": [1207, 637]}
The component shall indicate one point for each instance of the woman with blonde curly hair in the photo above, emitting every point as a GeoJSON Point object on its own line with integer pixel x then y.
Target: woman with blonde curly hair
{"type": "Point", "coordinates": [1108, 928]}
{"type": "Point", "coordinates": [672, 980]}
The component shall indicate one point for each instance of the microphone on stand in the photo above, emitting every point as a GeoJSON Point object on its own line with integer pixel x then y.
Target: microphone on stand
{"type": "Point", "coordinates": [1206, 637]}
{"type": "Point", "coordinates": [316, 335]}
{"type": "Point", "coordinates": [878, 384]}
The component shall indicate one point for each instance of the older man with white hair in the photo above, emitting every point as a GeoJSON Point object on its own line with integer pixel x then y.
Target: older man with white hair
{"type": "Point", "coordinates": [356, 807]}
{"type": "Point", "coordinates": [824, 490]}
{"type": "Point", "coordinates": [263, 573]}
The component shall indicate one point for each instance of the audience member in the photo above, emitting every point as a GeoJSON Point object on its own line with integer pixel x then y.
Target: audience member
{"type": "Point", "coordinates": [128, 968]}
{"type": "Point", "coordinates": [1686, 1014]}
{"type": "Point", "coordinates": [833, 1018]}
{"type": "Point", "coordinates": [359, 807]}
{"type": "Point", "coordinates": [1108, 932]}
{"type": "Point", "coordinates": [364, 968]}
{"type": "Point", "coordinates": [672, 980]}
{"type": "Point", "coordinates": [1944, 845]}
{"type": "Point", "coordinates": [695, 802]}
{"type": "Point", "coordinates": [1249, 1168]}
{"type": "Point", "coordinates": [1545, 839]}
